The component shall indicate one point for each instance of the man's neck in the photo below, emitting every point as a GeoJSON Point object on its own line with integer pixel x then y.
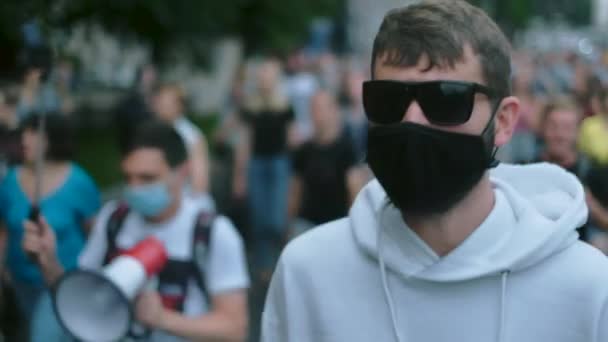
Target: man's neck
{"type": "Point", "coordinates": [326, 136]}
{"type": "Point", "coordinates": [168, 213]}
{"type": "Point", "coordinates": [173, 117]}
{"type": "Point", "coordinates": [446, 232]}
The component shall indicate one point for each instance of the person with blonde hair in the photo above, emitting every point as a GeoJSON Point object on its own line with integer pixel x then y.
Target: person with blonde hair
{"type": "Point", "coordinates": [263, 166]}
{"type": "Point", "coordinates": [558, 128]}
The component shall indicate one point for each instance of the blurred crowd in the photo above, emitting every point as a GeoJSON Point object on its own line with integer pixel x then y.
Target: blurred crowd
{"type": "Point", "coordinates": [287, 154]}
{"type": "Point", "coordinates": [563, 120]}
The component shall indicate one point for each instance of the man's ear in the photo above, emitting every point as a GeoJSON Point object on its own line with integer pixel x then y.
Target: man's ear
{"type": "Point", "coordinates": [506, 120]}
{"type": "Point", "coordinates": [180, 176]}
{"type": "Point", "coordinates": [183, 170]}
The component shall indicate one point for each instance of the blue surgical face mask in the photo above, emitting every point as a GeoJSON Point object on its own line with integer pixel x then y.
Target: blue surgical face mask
{"type": "Point", "coordinates": [150, 200]}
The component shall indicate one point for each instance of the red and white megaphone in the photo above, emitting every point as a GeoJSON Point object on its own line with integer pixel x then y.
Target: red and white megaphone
{"type": "Point", "coordinates": [96, 306]}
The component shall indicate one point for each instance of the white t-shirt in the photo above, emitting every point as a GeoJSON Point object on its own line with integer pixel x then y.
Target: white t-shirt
{"type": "Point", "coordinates": [225, 267]}
{"type": "Point", "coordinates": [188, 131]}
{"type": "Point", "coordinates": [191, 135]}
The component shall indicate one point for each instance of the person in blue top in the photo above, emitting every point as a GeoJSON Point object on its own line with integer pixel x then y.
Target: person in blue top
{"type": "Point", "coordinates": [69, 200]}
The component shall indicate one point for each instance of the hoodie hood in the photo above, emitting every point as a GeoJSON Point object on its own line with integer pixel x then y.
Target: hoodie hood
{"type": "Point", "coordinates": [537, 210]}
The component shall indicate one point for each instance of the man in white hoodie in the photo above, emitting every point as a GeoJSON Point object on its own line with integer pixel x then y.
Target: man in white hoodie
{"type": "Point", "coordinates": [443, 246]}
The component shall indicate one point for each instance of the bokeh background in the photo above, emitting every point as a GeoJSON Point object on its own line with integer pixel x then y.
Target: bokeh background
{"type": "Point", "coordinates": [108, 54]}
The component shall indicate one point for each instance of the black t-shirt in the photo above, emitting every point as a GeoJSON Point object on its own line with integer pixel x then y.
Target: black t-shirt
{"type": "Point", "coordinates": [597, 182]}
{"type": "Point", "coordinates": [323, 172]}
{"type": "Point", "coordinates": [269, 130]}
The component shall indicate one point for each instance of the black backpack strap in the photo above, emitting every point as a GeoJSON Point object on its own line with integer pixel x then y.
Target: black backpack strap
{"type": "Point", "coordinates": [201, 245]}
{"type": "Point", "coordinates": [113, 226]}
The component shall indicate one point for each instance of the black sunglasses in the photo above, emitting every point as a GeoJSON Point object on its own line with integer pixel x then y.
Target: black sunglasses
{"type": "Point", "coordinates": [444, 103]}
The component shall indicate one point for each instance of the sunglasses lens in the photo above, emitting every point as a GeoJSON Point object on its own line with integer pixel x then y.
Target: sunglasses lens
{"type": "Point", "coordinates": [446, 103]}
{"type": "Point", "coordinates": [385, 102]}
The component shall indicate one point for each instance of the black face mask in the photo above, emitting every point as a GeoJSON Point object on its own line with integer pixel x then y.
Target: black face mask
{"type": "Point", "coordinates": [426, 171]}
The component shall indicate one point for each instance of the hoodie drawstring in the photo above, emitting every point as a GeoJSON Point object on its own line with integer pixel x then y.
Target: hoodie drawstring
{"type": "Point", "coordinates": [391, 306]}
{"type": "Point", "coordinates": [503, 309]}
{"type": "Point", "coordinates": [387, 291]}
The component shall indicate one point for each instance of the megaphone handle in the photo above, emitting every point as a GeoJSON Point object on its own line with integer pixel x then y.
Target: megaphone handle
{"type": "Point", "coordinates": [151, 284]}
{"type": "Point", "coordinates": [34, 216]}
{"type": "Point", "coordinates": [138, 331]}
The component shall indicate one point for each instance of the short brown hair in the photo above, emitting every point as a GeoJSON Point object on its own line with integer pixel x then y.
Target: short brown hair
{"type": "Point", "coordinates": [159, 135]}
{"type": "Point", "coordinates": [440, 30]}
{"type": "Point", "coordinates": [59, 131]}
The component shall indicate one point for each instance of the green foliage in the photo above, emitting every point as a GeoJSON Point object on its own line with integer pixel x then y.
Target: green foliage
{"type": "Point", "coordinates": [575, 12]}
{"type": "Point", "coordinates": [519, 11]}
{"type": "Point", "coordinates": [280, 25]}
{"type": "Point", "coordinates": [516, 14]}
{"type": "Point", "coordinates": [207, 122]}
{"type": "Point", "coordinates": [274, 25]}
{"type": "Point", "coordinates": [98, 154]}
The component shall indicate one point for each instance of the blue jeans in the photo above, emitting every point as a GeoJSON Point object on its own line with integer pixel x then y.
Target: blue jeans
{"type": "Point", "coordinates": [37, 308]}
{"type": "Point", "coordinates": [268, 187]}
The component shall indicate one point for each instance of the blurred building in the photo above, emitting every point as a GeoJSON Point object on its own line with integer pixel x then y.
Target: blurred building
{"type": "Point", "coordinates": [600, 13]}
{"type": "Point", "coordinates": [109, 65]}
{"type": "Point", "coordinates": [364, 18]}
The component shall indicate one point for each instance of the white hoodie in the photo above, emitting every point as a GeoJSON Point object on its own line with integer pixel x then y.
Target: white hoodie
{"type": "Point", "coordinates": [521, 276]}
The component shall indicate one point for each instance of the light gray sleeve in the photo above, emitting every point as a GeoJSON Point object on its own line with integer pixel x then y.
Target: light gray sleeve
{"type": "Point", "coordinates": [226, 263]}
{"type": "Point", "coordinates": [93, 254]}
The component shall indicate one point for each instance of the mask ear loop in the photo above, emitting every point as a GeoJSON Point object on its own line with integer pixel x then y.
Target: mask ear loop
{"type": "Point", "coordinates": [492, 162]}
